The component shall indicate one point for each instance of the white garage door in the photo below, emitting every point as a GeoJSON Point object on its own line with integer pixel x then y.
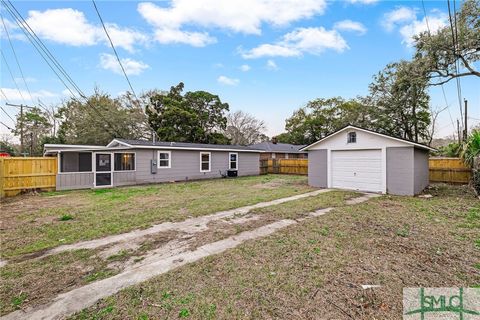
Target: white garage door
{"type": "Point", "coordinates": [357, 170]}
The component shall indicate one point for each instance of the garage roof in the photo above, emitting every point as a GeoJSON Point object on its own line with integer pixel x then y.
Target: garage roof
{"type": "Point", "coordinates": [349, 127]}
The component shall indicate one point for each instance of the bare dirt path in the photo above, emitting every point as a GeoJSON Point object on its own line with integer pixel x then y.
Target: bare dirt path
{"type": "Point", "coordinates": [192, 225]}
{"type": "Point", "coordinates": [174, 254]}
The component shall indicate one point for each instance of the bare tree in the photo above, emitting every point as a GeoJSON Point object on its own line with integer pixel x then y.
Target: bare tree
{"type": "Point", "coordinates": [244, 129]}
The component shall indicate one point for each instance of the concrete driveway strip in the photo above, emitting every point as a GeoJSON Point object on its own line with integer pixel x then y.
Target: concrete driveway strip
{"type": "Point", "coordinates": [190, 225]}
{"type": "Point", "coordinates": [73, 301]}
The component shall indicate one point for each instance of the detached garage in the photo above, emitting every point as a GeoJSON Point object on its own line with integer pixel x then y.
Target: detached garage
{"type": "Point", "coordinates": [359, 159]}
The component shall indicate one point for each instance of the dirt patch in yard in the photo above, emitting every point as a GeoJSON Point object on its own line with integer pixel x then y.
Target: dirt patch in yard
{"type": "Point", "coordinates": [33, 223]}
{"type": "Point", "coordinates": [315, 269]}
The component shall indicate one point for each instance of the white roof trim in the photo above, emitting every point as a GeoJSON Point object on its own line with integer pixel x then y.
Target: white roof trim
{"type": "Point", "coordinates": [78, 146]}
{"type": "Point", "coordinates": [367, 131]}
{"type": "Point", "coordinates": [119, 142]}
{"type": "Point", "coordinates": [193, 148]}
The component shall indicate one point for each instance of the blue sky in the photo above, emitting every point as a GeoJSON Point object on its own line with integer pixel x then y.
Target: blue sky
{"type": "Point", "coordinates": [265, 57]}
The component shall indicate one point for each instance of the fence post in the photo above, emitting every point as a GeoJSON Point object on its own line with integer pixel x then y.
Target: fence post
{"type": "Point", "coordinates": [2, 178]}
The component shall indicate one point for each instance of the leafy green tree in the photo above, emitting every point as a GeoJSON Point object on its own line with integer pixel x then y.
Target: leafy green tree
{"type": "Point", "coordinates": [471, 148]}
{"type": "Point", "coordinates": [100, 120]}
{"type": "Point", "coordinates": [35, 126]}
{"type": "Point", "coordinates": [451, 150]}
{"type": "Point", "coordinates": [438, 54]}
{"type": "Point", "coordinates": [323, 116]}
{"type": "Point", "coordinates": [400, 102]}
{"type": "Point", "coordinates": [197, 116]}
{"type": "Point", "coordinates": [6, 145]}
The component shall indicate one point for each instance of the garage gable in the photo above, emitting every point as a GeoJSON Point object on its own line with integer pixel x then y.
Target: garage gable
{"type": "Point", "coordinates": [352, 137]}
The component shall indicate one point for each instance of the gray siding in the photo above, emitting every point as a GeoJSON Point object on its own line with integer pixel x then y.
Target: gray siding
{"type": "Point", "coordinates": [421, 171]}
{"type": "Point", "coordinates": [77, 180]}
{"type": "Point", "coordinates": [185, 165]}
{"type": "Point", "coordinates": [317, 168]}
{"type": "Point", "coordinates": [400, 170]}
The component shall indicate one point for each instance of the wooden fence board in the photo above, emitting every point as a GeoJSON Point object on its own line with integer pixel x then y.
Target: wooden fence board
{"type": "Point", "coordinates": [449, 170]}
{"type": "Point", "coordinates": [18, 174]}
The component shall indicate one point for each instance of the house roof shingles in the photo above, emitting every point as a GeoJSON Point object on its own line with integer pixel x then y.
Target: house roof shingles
{"type": "Point", "coordinates": [187, 145]}
{"type": "Point", "coordinates": [278, 147]}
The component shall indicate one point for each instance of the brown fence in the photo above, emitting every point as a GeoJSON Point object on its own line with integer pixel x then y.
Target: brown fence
{"type": "Point", "coordinates": [284, 166]}
{"type": "Point", "coordinates": [19, 174]}
{"type": "Point", "coordinates": [449, 170]}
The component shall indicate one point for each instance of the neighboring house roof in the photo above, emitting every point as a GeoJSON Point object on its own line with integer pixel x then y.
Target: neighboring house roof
{"type": "Point", "coordinates": [117, 144]}
{"type": "Point", "coordinates": [269, 146]}
{"type": "Point", "coordinates": [349, 127]}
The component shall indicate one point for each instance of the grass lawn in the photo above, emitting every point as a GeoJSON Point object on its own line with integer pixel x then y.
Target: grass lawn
{"type": "Point", "coordinates": [34, 223]}
{"type": "Point", "coordinates": [315, 269]}
{"type": "Point", "coordinates": [36, 281]}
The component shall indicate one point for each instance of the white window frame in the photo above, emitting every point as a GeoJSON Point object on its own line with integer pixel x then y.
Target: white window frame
{"type": "Point", "coordinates": [169, 159]}
{"type": "Point", "coordinates": [134, 162]}
{"type": "Point", "coordinates": [348, 137]}
{"type": "Point", "coordinates": [230, 161]}
{"type": "Point", "coordinates": [209, 161]}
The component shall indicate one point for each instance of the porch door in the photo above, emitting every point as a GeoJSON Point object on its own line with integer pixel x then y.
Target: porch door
{"type": "Point", "coordinates": [103, 170]}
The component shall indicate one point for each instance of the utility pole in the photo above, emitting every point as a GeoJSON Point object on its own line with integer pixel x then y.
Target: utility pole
{"type": "Point", "coordinates": [459, 136]}
{"type": "Point", "coordinates": [465, 132]}
{"type": "Point", "coordinates": [21, 106]}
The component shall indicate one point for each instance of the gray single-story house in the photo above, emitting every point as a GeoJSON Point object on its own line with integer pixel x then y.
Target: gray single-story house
{"type": "Point", "coordinates": [129, 162]}
{"type": "Point", "coordinates": [359, 159]}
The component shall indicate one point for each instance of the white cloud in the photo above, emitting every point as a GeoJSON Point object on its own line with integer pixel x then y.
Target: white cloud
{"type": "Point", "coordinates": [71, 27]}
{"type": "Point", "coordinates": [300, 41]}
{"type": "Point", "coordinates": [228, 81]}
{"type": "Point", "coordinates": [416, 27]}
{"type": "Point", "coordinates": [27, 79]}
{"type": "Point", "coordinates": [271, 65]}
{"type": "Point", "coordinates": [16, 95]}
{"type": "Point", "coordinates": [195, 39]}
{"type": "Point", "coordinates": [408, 25]}
{"type": "Point", "coordinates": [243, 16]}
{"type": "Point", "coordinates": [363, 1]}
{"type": "Point", "coordinates": [245, 67]}
{"type": "Point", "coordinates": [14, 31]}
{"type": "Point", "coordinates": [132, 67]}
{"type": "Point", "coordinates": [399, 15]}
{"type": "Point", "coordinates": [349, 25]}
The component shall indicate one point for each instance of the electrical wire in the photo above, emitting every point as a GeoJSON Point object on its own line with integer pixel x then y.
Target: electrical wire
{"type": "Point", "coordinates": [443, 89]}
{"type": "Point", "coordinates": [114, 50]}
{"type": "Point", "coordinates": [47, 55]}
{"type": "Point", "coordinates": [11, 75]}
{"type": "Point", "coordinates": [6, 126]}
{"type": "Point", "coordinates": [7, 114]}
{"type": "Point", "coordinates": [16, 58]}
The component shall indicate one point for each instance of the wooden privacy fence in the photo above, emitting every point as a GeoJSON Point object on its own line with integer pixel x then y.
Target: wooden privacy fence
{"type": "Point", "coordinates": [19, 174]}
{"type": "Point", "coordinates": [449, 170]}
{"type": "Point", "coordinates": [284, 166]}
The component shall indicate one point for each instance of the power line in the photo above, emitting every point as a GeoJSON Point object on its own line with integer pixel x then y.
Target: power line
{"type": "Point", "coordinates": [16, 58]}
{"type": "Point", "coordinates": [11, 75]}
{"type": "Point", "coordinates": [443, 89]}
{"type": "Point", "coordinates": [114, 50]}
{"type": "Point", "coordinates": [46, 55]}
{"type": "Point", "coordinates": [454, 38]}
{"type": "Point", "coordinates": [7, 114]}
{"type": "Point", "coordinates": [3, 94]}
{"type": "Point", "coordinates": [6, 126]}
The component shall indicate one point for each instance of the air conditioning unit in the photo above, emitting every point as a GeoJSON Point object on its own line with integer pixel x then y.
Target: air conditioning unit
{"type": "Point", "coordinates": [232, 173]}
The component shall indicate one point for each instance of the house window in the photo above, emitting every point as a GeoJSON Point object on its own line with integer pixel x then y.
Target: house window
{"type": "Point", "coordinates": [233, 161]}
{"type": "Point", "coordinates": [75, 162]}
{"type": "Point", "coordinates": [352, 137]}
{"type": "Point", "coordinates": [164, 159]}
{"type": "Point", "coordinates": [124, 161]}
{"type": "Point", "coordinates": [205, 161]}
